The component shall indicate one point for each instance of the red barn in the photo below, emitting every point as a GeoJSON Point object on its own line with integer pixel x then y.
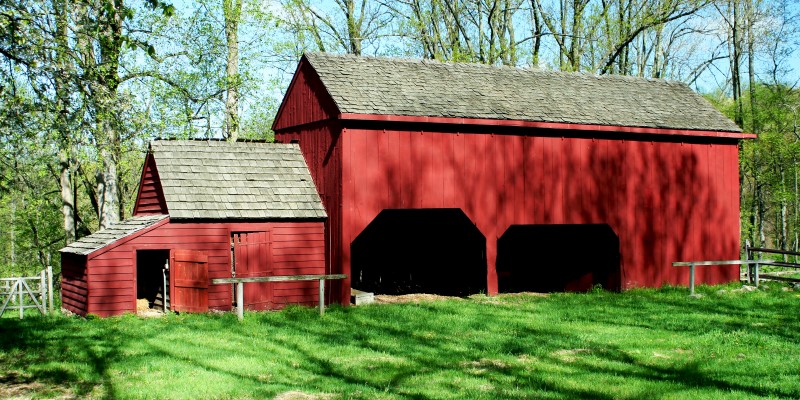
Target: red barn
{"type": "Point", "coordinates": [462, 178]}
{"type": "Point", "coordinates": [205, 209]}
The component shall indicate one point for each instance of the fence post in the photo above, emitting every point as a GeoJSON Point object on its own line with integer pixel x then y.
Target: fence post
{"type": "Point", "coordinates": [240, 300]}
{"type": "Point", "coordinates": [756, 274]}
{"type": "Point", "coordinates": [19, 283]}
{"type": "Point", "coordinates": [691, 279]}
{"type": "Point", "coordinates": [50, 288]}
{"type": "Point", "coordinates": [43, 291]}
{"type": "Point", "coordinates": [321, 296]}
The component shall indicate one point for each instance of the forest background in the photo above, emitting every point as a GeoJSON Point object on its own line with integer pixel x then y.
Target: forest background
{"type": "Point", "coordinates": [85, 84]}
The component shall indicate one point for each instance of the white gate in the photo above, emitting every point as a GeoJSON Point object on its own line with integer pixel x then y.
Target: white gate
{"type": "Point", "coordinates": [16, 292]}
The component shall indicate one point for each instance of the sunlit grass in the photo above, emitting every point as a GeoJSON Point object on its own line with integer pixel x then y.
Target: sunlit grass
{"type": "Point", "coordinates": [634, 345]}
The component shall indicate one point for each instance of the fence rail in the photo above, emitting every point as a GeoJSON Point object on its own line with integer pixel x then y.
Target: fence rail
{"type": "Point", "coordinates": [693, 264]}
{"type": "Point", "coordinates": [281, 278]}
{"type": "Point", "coordinates": [753, 273]}
{"type": "Point", "coordinates": [15, 291]}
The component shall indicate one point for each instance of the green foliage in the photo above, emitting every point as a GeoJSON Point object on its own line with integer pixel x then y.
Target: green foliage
{"type": "Point", "coordinates": [637, 344]}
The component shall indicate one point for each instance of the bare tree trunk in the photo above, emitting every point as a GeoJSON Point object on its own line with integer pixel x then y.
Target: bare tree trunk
{"type": "Point", "coordinates": [65, 159]}
{"type": "Point", "coordinates": [105, 83]}
{"type": "Point", "coordinates": [233, 11]}
{"type": "Point", "coordinates": [751, 65]}
{"type": "Point", "coordinates": [537, 33]}
{"type": "Point", "coordinates": [736, 62]}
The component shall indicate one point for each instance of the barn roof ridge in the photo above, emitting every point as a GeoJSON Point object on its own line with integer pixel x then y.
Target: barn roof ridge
{"type": "Point", "coordinates": [235, 180]}
{"type": "Point", "coordinates": [428, 88]}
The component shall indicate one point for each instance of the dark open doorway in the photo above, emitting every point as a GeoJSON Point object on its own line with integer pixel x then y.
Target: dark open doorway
{"type": "Point", "coordinates": [437, 251]}
{"type": "Point", "coordinates": [555, 258]}
{"type": "Point", "coordinates": [151, 276]}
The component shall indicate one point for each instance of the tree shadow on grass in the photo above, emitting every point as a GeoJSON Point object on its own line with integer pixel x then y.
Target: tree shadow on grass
{"type": "Point", "coordinates": [520, 348]}
{"type": "Point", "coordinates": [77, 361]}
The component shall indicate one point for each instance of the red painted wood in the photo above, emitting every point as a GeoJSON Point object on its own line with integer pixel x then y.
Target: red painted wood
{"type": "Point", "coordinates": [74, 283]}
{"type": "Point", "coordinates": [663, 198]}
{"type": "Point", "coordinates": [150, 198]}
{"type": "Point", "coordinates": [188, 281]}
{"type": "Point", "coordinates": [110, 272]}
{"type": "Point", "coordinates": [253, 257]}
{"type": "Point", "coordinates": [540, 125]}
{"type": "Point", "coordinates": [306, 100]}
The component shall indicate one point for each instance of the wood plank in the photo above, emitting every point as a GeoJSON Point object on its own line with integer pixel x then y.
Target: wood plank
{"type": "Point", "coordinates": [722, 262]}
{"type": "Point", "coordinates": [297, 258]}
{"type": "Point", "coordinates": [112, 277]}
{"type": "Point", "coordinates": [288, 251]}
{"type": "Point", "coordinates": [293, 244]}
{"type": "Point", "coordinates": [279, 278]}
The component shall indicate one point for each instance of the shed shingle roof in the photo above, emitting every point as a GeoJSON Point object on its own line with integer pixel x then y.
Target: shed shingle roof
{"type": "Point", "coordinates": [385, 86]}
{"type": "Point", "coordinates": [224, 180]}
{"type": "Point", "coordinates": [104, 237]}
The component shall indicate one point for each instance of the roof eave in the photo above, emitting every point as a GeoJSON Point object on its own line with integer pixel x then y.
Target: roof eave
{"type": "Point", "coordinates": [546, 125]}
{"type": "Point", "coordinates": [123, 240]}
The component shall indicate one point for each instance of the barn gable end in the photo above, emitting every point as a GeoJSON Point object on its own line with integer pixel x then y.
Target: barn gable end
{"type": "Point", "coordinates": [306, 101]}
{"type": "Point", "coordinates": [150, 199]}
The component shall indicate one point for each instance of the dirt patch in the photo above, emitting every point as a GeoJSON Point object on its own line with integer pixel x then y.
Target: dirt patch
{"type": "Point", "coordinates": [424, 297]}
{"type": "Point", "coordinates": [13, 386]}
{"type": "Point", "coordinates": [298, 395]}
{"type": "Point", "coordinates": [569, 355]}
{"type": "Point", "coordinates": [411, 298]}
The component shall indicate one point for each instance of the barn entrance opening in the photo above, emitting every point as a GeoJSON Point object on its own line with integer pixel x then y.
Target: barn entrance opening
{"type": "Point", "coordinates": [435, 251]}
{"type": "Point", "coordinates": [152, 277]}
{"type": "Point", "coordinates": [556, 258]}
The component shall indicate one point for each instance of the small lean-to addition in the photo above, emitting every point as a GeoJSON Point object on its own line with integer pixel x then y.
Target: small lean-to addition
{"type": "Point", "coordinates": [205, 210]}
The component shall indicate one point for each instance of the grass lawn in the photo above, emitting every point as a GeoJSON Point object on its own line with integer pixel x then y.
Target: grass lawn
{"type": "Point", "coordinates": [641, 344]}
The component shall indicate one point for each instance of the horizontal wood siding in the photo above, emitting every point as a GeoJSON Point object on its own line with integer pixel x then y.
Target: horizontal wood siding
{"type": "Point", "coordinates": [299, 245]}
{"type": "Point", "coordinates": [666, 200]}
{"type": "Point", "coordinates": [150, 199]}
{"type": "Point", "coordinates": [321, 147]}
{"type": "Point", "coordinates": [74, 287]}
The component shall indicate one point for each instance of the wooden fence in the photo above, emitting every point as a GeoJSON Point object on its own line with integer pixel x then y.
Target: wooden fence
{"type": "Point", "coordinates": [241, 281]}
{"type": "Point", "coordinates": [753, 273]}
{"type": "Point", "coordinates": [27, 292]}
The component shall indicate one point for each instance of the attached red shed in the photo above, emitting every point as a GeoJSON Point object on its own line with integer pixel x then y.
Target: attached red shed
{"type": "Point", "coordinates": [205, 210]}
{"type": "Point", "coordinates": [460, 178]}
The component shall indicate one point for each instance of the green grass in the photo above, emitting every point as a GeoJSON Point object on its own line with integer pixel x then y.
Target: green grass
{"type": "Point", "coordinates": [641, 344]}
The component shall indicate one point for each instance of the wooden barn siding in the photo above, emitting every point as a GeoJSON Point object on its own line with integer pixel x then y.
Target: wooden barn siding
{"type": "Point", "coordinates": [306, 101]}
{"type": "Point", "coordinates": [73, 283]}
{"type": "Point", "coordinates": [667, 201]}
{"type": "Point", "coordinates": [150, 198]}
{"type": "Point", "coordinates": [322, 152]}
{"type": "Point", "coordinates": [297, 248]}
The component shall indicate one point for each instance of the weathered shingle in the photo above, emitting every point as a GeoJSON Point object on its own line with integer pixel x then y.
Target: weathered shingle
{"type": "Point", "coordinates": [368, 85]}
{"type": "Point", "coordinates": [224, 180]}
{"type": "Point", "coordinates": [115, 232]}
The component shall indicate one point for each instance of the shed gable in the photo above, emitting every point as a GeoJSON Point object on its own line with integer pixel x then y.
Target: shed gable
{"type": "Point", "coordinates": [150, 199]}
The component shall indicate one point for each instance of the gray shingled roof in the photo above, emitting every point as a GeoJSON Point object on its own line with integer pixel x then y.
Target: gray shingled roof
{"type": "Point", "coordinates": [223, 180]}
{"type": "Point", "coordinates": [117, 231]}
{"type": "Point", "coordinates": [385, 86]}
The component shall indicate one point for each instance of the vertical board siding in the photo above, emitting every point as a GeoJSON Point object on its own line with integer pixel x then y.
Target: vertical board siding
{"type": "Point", "coordinates": [150, 199]}
{"type": "Point", "coordinates": [667, 201]}
{"type": "Point", "coordinates": [306, 101]}
{"type": "Point", "coordinates": [107, 285]}
{"type": "Point", "coordinates": [322, 149]}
